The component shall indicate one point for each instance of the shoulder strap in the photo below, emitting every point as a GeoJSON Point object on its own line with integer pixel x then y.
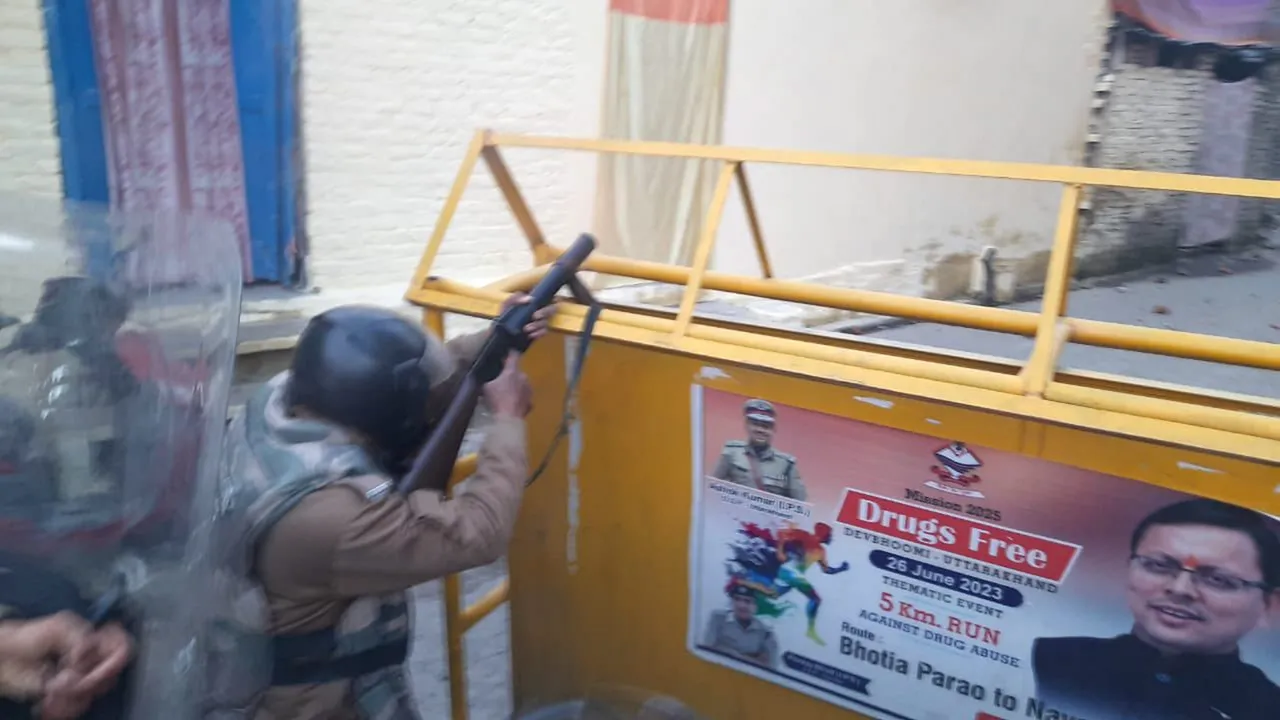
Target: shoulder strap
{"type": "Point", "coordinates": [567, 417]}
{"type": "Point", "coordinates": [281, 501]}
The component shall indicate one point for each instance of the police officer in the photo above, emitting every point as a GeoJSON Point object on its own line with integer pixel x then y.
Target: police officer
{"type": "Point", "coordinates": [754, 462]}
{"type": "Point", "coordinates": [333, 548]}
{"type": "Point", "coordinates": [739, 633]}
{"type": "Point", "coordinates": [1202, 575]}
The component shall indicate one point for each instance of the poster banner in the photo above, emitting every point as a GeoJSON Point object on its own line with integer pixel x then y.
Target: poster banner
{"type": "Point", "coordinates": [903, 576]}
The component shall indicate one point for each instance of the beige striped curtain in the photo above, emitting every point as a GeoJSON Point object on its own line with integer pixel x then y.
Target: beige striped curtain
{"type": "Point", "coordinates": [665, 81]}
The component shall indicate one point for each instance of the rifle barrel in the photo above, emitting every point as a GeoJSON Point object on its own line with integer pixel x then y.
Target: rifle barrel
{"type": "Point", "coordinates": [434, 462]}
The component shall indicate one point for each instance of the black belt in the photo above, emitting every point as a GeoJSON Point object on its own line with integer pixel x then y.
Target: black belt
{"type": "Point", "coordinates": [308, 659]}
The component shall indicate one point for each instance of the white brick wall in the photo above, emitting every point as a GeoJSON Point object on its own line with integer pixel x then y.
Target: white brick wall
{"type": "Point", "coordinates": [1152, 121]}
{"type": "Point", "coordinates": [29, 160]}
{"type": "Point", "coordinates": [912, 81]}
{"type": "Point", "coordinates": [392, 92]}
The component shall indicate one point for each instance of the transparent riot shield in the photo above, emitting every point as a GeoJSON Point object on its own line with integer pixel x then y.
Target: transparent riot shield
{"type": "Point", "coordinates": [117, 343]}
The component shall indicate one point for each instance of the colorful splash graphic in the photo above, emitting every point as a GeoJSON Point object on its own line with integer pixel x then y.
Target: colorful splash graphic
{"type": "Point", "coordinates": [773, 563]}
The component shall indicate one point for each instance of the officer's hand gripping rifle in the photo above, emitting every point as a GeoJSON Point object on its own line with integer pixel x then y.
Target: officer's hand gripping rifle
{"type": "Point", "coordinates": [434, 463]}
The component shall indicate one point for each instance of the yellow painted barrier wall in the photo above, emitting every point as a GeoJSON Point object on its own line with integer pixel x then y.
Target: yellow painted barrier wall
{"type": "Point", "coordinates": [975, 538]}
{"type": "Point", "coordinates": [600, 567]}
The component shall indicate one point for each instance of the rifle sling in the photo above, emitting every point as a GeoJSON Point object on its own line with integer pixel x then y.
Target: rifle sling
{"type": "Point", "coordinates": [566, 417]}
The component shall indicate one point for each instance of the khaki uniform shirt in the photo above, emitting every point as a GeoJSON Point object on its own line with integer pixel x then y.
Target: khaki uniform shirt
{"type": "Point", "coordinates": [768, 470]}
{"type": "Point", "coordinates": [754, 643]}
{"type": "Point", "coordinates": [336, 546]}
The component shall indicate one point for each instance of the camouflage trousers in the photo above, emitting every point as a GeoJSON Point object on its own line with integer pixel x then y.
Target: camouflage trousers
{"type": "Point", "coordinates": [385, 695]}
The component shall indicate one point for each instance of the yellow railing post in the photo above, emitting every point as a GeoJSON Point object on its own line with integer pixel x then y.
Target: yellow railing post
{"type": "Point", "coordinates": [1052, 334]}
{"type": "Point", "coordinates": [1030, 172]}
{"type": "Point", "coordinates": [1247, 353]}
{"type": "Point", "coordinates": [454, 649]}
{"type": "Point", "coordinates": [753, 221]}
{"type": "Point", "coordinates": [449, 208]}
{"type": "Point", "coordinates": [480, 609]}
{"type": "Point", "coordinates": [459, 618]}
{"type": "Point", "coordinates": [434, 320]}
{"type": "Point", "coordinates": [706, 242]}
{"type": "Point", "coordinates": [515, 201]}
{"type": "Point", "coordinates": [455, 652]}
{"type": "Point", "coordinates": [1035, 388]}
{"type": "Point", "coordinates": [1098, 333]}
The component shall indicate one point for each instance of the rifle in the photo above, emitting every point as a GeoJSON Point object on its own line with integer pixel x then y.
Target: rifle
{"type": "Point", "coordinates": [433, 464]}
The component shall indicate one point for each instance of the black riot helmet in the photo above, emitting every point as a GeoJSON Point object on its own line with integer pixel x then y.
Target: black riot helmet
{"type": "Point", "coordinates": [370, 370]}
{"type": "Point", "coordinates": [73, 311]}
{"type": "Point", "coordinates": [81, 315]}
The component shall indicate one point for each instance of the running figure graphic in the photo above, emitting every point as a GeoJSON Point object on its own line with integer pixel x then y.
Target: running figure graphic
{"type": "Point", "coordinates": [781, 569]}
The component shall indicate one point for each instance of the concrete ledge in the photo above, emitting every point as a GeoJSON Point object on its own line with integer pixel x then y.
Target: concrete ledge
{"type": "Point", "coordinates": [271, 319]}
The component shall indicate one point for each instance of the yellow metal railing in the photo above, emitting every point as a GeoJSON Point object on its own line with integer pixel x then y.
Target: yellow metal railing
{"type": "Point", "coordinates": [1228, 424]}
{"type": "Point", "coordinates": [460, 619]}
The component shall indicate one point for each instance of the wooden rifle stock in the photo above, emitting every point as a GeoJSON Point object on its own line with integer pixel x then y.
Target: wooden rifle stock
{"type": "Point", "coordinates": [434, 463]}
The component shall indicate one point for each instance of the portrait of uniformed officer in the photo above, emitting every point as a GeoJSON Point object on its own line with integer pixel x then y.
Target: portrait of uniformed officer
{"type": "Point", "coordinates": [1202, 575]}
{"type": "Point", "coordinates": [754, 462]}
{"type": "Point", "coordinates": [739, 633]}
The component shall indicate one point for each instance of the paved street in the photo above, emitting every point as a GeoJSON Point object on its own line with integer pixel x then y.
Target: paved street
{"type": "Point", "coordinates": [487, 644]}
{"type": "Point", "coordinates": [487, 647]}
{"type": "Point", "coordinates": [1236, 297]}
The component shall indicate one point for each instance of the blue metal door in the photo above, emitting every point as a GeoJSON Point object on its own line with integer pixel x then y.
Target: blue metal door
{"type": "Point", "coordinates": [264, 48]}
{"type": "Point", "coordinates": [79, 107]}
